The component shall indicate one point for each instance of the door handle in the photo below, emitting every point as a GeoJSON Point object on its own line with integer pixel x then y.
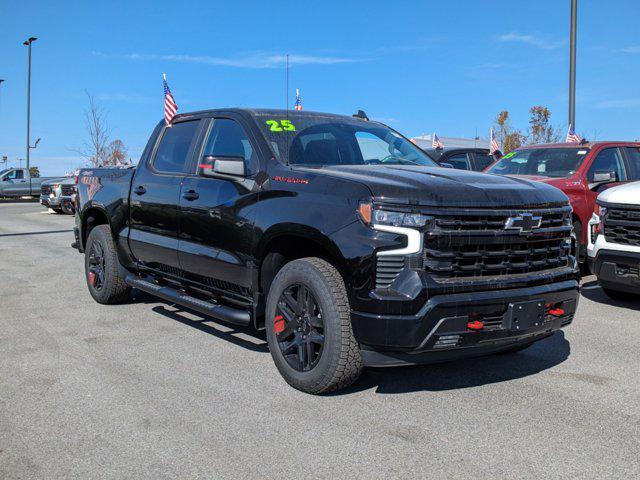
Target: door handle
{"type": "Point", "coordinates": [190, 195]}
{"type": "Point", "coordinates": [140, 190]}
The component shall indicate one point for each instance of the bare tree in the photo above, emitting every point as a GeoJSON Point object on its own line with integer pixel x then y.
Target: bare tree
{"type": "Point", "coordinates": [95, 149]}
{"type": "Point", "coordinates": [116, 153]}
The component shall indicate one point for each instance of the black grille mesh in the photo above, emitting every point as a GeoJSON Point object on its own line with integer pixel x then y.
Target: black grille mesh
{"type": "Point", "coordinates": [469, 244]}
{"type": "Point", "coordinates": [622, 226]}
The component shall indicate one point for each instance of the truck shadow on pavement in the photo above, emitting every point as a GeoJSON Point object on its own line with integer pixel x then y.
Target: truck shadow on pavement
{"type": "Point", "coordinates": [593, 292]}
{"type": "Point", "coordinates": [472, 372]}
{"type": "Point", "coordinates": [467, 373]}
{"type": "Point", "coordinates": [245, 337]}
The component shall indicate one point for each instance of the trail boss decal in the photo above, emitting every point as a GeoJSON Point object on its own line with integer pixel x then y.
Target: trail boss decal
{"type": "Point", "coordinates": [303, 181]}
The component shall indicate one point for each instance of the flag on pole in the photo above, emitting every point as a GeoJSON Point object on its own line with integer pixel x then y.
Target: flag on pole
{"type": "Point", "coordinates": [493, 143]}
{"type": "Point", "coordinates": [170, 107]}
{"type": "Point", "coordinates": [571, 136]}
{"type": "Point", "coordinates": [436, 142]}
{"type": "Point", "coordinates": [298, 105]}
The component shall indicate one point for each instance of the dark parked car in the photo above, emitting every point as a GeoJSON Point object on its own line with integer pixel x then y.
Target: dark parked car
{"type": "Point", "coordinates": [338, 235]}
{"type": "Point", "coordinates": [476, 159]}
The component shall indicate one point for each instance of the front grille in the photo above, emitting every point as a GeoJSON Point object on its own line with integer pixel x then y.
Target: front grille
{"type": "Point", "coordinates": [45, 189]}
{"type": "Point", "coordinates": [471, 244]}
{"type": "Point", "coordinates": [67, 190]}
{"type": "Point", "coordinates": [622, 226]}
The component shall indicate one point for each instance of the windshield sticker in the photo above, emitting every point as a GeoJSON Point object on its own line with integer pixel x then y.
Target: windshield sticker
{"type": "Point", "coordinates": [509, 155]}
{"type": "Point", "coordinates": [281, 126]}
{"type": "Point", "coordinates": [581, 152]}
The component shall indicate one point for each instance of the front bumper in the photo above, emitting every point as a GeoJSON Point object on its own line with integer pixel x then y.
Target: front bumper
{"type": "Point", "coordinates": [439, 331]}
{"type": "Point", "coordinates": [49, 201]}
{"type": "Point", "coordinates": [617, 270]}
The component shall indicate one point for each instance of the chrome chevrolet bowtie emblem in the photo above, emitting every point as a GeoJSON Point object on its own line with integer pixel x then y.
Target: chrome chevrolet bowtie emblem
{"type": "Point", "coordinates": [524, 222]}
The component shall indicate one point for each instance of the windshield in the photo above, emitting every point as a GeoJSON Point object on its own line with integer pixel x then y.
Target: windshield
{"type": "Point", "coordinates": [546, 162]}
{"type": "Point", "coordinates": [314, 140]}
{"type": "Point", "coordinates": [2, 172]}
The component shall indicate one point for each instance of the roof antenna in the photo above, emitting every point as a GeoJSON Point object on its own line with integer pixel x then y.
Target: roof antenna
{"type": "Point", "coordinates": [361, 115]}
{"type": "Point", "coordinates": [286, 93]}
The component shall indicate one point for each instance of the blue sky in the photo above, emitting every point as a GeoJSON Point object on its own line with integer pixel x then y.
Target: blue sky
{"type": "Point", "coordinates": [419, 66]}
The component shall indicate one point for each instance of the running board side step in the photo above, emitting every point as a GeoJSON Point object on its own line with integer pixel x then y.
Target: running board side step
{"type": "Point", "coordinates": [221, 312]}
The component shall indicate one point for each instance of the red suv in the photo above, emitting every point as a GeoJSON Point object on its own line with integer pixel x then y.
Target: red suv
{"type": "Point", "coordinates": [581, 171]}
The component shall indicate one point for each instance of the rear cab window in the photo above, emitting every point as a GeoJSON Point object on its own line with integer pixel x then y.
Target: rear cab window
{"type": "Point", "coordinates": [172, 154]}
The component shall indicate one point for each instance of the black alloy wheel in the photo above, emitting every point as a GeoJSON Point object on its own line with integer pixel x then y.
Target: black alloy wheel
{"type": "Point", "coordinates": [96, 266]}
{"type": "Point", "coordinates": [299, 327]}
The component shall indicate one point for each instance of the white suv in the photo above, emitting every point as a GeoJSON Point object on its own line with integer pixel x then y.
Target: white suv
{"type": "Point", "coordinates": [614, 241]}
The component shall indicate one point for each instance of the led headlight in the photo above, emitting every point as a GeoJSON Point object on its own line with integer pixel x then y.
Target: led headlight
{"type": "Point", "coordinates": [399, 219]}
{"type": "Point", "coordinates": [401, 223]}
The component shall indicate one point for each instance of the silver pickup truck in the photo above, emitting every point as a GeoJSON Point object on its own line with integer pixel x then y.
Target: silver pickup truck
{"type": "Point", "coordinates": [16, 182]}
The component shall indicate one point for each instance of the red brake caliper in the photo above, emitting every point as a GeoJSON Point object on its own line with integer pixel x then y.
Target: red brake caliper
{"type": "Point", "coordinates": [278, 324]}
{"type": "Point", "coordinates": [92, 278]}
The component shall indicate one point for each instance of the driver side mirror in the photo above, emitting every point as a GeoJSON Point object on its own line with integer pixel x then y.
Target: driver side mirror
{"type": "Point", "coordinates": [601, 177]}
{"type": "Point", "coordinates": [211, 166]}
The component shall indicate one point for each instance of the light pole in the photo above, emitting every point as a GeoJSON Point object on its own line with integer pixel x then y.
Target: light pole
{"type": "Point", "coordinates": [28, 44]}
{"type": "Point", "coordinates": [572, 64]}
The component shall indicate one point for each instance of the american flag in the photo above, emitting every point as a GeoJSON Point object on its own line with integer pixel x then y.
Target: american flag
{"type": "Point", "coordinates": [493, 143]}
{"type": "Point", "coordinates": [436, 142]}
{"type": "Point", "coordinates": [571, 135]}
{"type": "Point", "coordinates": [298, 105]}
{"type": "Point", "coordinates": [170, 107]}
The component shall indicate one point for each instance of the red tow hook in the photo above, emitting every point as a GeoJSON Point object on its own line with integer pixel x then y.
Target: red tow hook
{"type": "Point", "coordinates": [475, 325]}
{"type": "Point", "coordinates": [556, 312]}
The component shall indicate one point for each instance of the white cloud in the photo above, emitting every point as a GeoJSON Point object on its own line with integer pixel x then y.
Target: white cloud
{"type": "Point", "coordinates": [632, 49]}
{"type": "Point", "coordinates": [253, 60]}
{"type": "Point", "coordinates": [533, 40]}
{"type": "Point", "coordinates": [123, 97]}
{"type": "Point", "coordinates": [620, 103]}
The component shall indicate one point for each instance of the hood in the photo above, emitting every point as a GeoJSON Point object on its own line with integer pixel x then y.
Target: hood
{"type": "Point", "coordinates": [436, 186]}
{"type": "Point", "coordinates": [51, 181]}
{"type": "Point", "coordinates": [628, 194]}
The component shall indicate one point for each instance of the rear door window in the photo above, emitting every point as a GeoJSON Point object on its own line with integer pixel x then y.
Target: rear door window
{"type": "Point", "coordinates": [459, 161]}
{"type": "Point", "coordinates": [172, 154]}
{"type": "Point", "coordinates": [633, 157]}
{"type": "Point", "coordinates": [608, 160]}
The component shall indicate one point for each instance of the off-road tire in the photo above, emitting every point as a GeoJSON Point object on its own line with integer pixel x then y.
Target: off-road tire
{"type": "Point", "coordinates": [114, 290]}
{"type": "Point", "coordinates": [340, 363]}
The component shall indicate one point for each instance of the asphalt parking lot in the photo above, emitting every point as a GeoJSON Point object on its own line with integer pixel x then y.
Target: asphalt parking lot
{"type": "Point", "coordinates": [148, 390]}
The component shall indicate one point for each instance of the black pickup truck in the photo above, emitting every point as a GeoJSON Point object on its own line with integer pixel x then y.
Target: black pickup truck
{"type": "Point", "coordinates": [339, 236]}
